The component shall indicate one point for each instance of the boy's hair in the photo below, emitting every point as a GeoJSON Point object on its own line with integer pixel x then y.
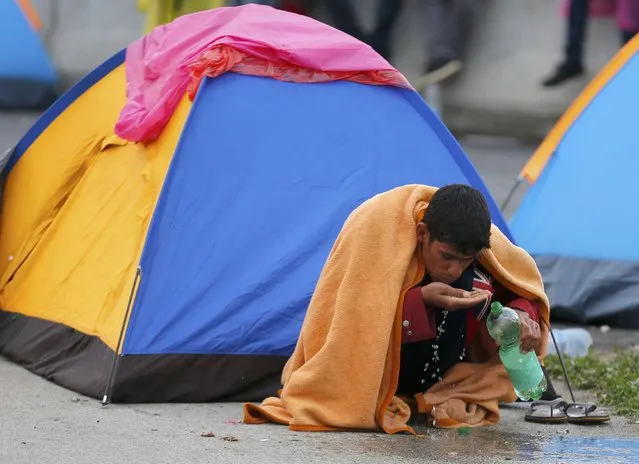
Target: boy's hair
{"type": "Point", "coordinates": [458, 215]}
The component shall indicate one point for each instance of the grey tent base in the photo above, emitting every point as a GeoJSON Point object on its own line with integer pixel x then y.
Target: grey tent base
{"type": "Point", "coordinates": [22, 94]}
{"type": "Point", "coordinates": [592, 291]}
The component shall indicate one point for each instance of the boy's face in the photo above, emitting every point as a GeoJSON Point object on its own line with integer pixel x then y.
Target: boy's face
{"type": "Point", "coordinates": [443, 262]}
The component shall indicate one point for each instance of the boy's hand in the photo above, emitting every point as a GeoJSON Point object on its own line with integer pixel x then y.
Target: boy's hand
{"type": "Point", "coordinates": [530, 336]}
{"type": "Point", "coordinates": [448, 298]}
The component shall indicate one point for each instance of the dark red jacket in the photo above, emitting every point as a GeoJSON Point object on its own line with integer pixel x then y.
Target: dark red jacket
{"type": "Point", "coordinates": [418, 321]}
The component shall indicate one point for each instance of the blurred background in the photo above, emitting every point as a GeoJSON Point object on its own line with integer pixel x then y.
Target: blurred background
{"type": "Point", "coordinates": [511, 47]}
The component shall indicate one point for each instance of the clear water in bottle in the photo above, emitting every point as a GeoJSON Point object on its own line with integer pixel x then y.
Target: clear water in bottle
{"type": "Point", "coordinates": [524, 370]}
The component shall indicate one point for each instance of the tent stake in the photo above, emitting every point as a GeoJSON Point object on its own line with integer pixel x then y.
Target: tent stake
{"type": "Point", "coordinates": [510, 194]}
{"type": "Point", "coordinates": [108, 391]}
{"type": "Point", "coordinates": [561, 361]}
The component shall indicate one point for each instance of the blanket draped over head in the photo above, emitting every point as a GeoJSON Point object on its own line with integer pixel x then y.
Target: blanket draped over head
{"type": "Point", "coordinates": [344, 371]}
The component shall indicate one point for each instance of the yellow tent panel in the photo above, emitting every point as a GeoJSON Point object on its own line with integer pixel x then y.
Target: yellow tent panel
{"type": "Point", "coordinates": [76, 212]}
{"type": "Point", "coordinates": [46, 172]}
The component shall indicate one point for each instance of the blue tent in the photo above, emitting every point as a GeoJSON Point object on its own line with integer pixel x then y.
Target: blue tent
{"type": "Point", "coordinates": [578, 219]}
{"type": "Point", "coordinates": [259, 185]}
{"type": "Point", "coordinates": [27, 77]}
{"type": "Point", "coordinates": [263, 217]}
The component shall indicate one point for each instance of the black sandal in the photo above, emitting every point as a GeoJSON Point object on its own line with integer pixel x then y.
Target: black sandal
{"type": "Point", "coordinates": [582, 413]}
{"type": "Point", "coordinates": [547, 412]}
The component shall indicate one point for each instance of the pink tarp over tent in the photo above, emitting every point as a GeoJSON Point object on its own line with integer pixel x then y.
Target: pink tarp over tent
{"type": "Point", "coordinates": [251, 39]}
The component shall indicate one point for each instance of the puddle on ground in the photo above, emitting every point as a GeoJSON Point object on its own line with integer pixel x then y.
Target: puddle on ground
{"type": "Point", "coordinates": [486, 445]}
{"type": "Point", "coordinates": [592, 449]}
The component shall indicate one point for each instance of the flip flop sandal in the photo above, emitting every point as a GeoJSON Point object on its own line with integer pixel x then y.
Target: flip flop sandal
{"type": "Point", "coordinates": [547, 412]}
{"type": "Point", "coordinates": [584, 413]}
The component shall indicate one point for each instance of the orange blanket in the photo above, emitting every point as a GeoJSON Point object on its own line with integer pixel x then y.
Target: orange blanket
{"type": "Point", "coordinates": [343, 373]}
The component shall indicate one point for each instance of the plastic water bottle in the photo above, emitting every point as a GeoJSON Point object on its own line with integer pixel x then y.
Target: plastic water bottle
{"type": "Point", "coordinates": [524, 370]}
{"type": "Point", "coordinates": [573, 342]}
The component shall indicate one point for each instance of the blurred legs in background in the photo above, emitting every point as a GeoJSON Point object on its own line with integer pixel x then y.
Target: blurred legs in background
{"type": "Point", "coordinates": [447, 24]}
{"type": "Point", "coordinates": [572, 64]}
{"type": "Point", "coordinates": [626, 36]}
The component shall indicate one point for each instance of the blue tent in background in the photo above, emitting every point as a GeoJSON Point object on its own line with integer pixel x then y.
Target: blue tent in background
{"type": "Point", "coordinates": [579, 217]}
{"type": "Point", "coordinates": [27, 77]}
{"type": "Point", "coordinates": [261, 176]}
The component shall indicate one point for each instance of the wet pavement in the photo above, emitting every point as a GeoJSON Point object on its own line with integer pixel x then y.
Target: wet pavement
{"type": "Point", "coordinates": [492, 445]}
{"type": "Point", "coordinates": [43, 423]}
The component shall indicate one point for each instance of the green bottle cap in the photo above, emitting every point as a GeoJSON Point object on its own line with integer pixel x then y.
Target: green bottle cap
{"type": "Point", "coordinates": [496, 308]}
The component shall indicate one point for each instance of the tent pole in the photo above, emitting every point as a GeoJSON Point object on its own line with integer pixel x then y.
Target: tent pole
{"type": "Point", "coordinates": [108, 391]}
{"type": "Point", "coordinates": [510, 194]}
